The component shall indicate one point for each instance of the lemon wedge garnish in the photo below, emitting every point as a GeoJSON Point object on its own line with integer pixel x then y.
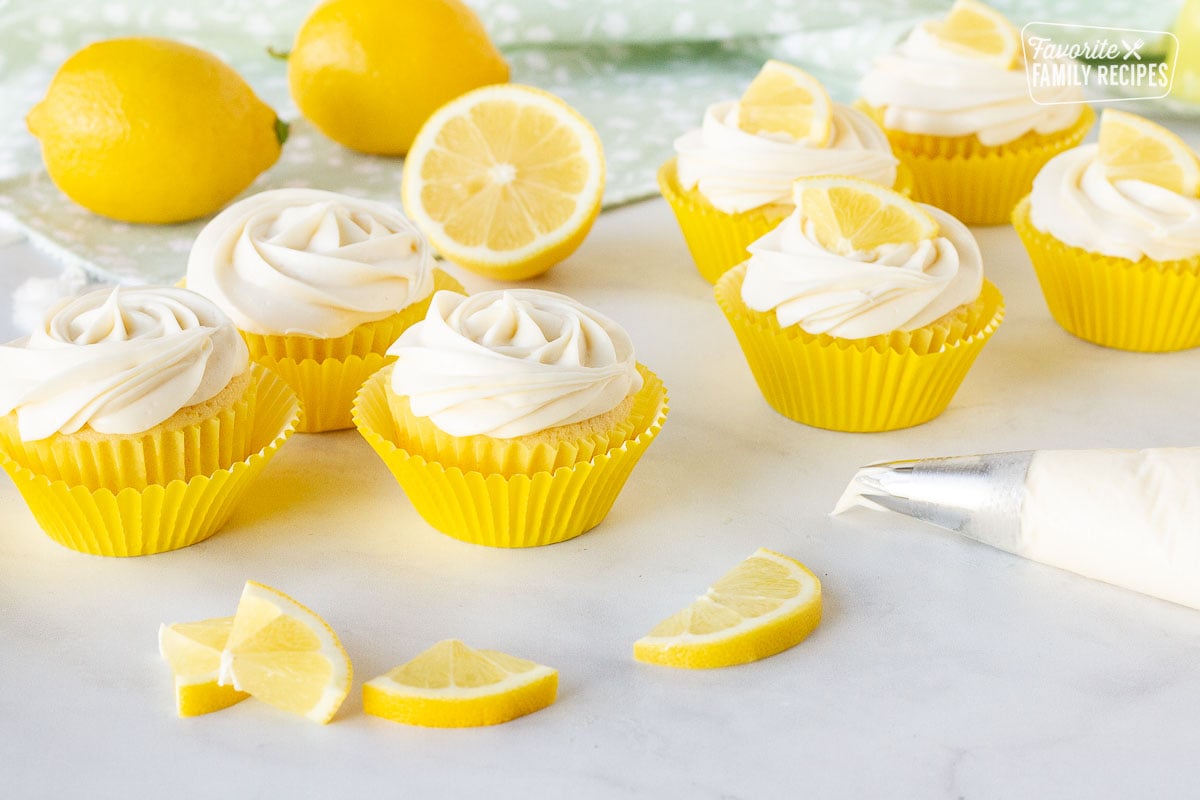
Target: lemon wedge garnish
{"type": "Point", "coordinates": [979, 31]}
{"type": "Point", "coordinates": [451, 685]}
{"type": "Point", "coordinates": [284, 654]}
{"type": "Point", "coordinates": [848, 215]}
{"type": "Point", "coordinates": [193, 651]}
{"type": "Point", "coordinates": [763, 606]}
{"type": "Point", "coordinates": [506, 180]}
{"type": "Point", "coordinates": [1134, 148]}
{"type": "Point", "coordinates": [786, 101]}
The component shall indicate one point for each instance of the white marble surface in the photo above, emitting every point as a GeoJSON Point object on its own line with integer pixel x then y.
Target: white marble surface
{"type": "Point", "coordinates": [942, 669]}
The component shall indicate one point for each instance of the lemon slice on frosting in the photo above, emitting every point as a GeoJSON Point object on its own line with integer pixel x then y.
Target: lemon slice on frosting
{"type": "Point", "coordinates": [763, 606]}
{"type": "Point", "coordinates": [786, 102]}
{"type": "Point", "coordinates": [979, 31]}
{"type": "Point", "coordinates": [848, 215]}
{"type": "Point", "coordinates": [1134, 148]}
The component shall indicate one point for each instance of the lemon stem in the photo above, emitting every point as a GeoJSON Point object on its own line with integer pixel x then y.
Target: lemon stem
{"type": "Point", "coordinates": [282, 129]}
{"type": "Point", "coordinates": [282, 55]}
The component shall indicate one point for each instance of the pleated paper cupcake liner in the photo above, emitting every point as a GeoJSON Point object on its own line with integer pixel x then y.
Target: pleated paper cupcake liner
{"type": "Point", "coordinates": [879, 383]}
{"type": "Point", "coordinates": [370, 337]}
{"type": "Point", "coordinates": [1146, 306]}
{"type": "Point", "coordinates": [716, 240]}
{"type": "Point", "coordinates": [505, 456]}
{"type": "Point", "coordinates": [978, 184]}
{"type": "Point", "coordinates": [326, 388]}
{"type": "Point", "coordinates": [521, 510]}
{"type": "Point", "coordinates": [158, 517]}
{"type": "Point", "coordinates": [162, 455]}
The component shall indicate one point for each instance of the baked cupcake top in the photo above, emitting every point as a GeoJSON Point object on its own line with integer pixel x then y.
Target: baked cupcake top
{"type": "Point", "coordinates": [932, 83]}
{"type": "Point", "coordinates": [855, 293]}
{"type": "Point", "coordinates": [1103, 198]}
{"type": "Point", "coordinates": [119, 361]}
{"type": "Point", "coordinates": [309, 263]}
{"type": "Point", "coordinates": [739, 167]}
{"type": "Point", "coordinates": [512, 362]}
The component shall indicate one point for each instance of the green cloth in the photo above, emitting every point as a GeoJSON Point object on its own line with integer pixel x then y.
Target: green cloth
{"type": "Point", "coordinates": [641, 70]}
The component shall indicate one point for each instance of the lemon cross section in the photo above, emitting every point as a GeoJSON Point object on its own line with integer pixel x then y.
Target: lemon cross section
{"type": "Point", "coordinates": [282, 653]}
{"type": "Point", "coordinates": [193, 652]}
{"type": "Point", "coordinates": [848, 215]}
{"type": "Point", "coordinates": [980, 31]}
{"type": "Point", "coordinates": [1134, 148]}
{"type": "Point", "coordinates": [451, 685]}
{"type": "Point", "coordinates": [506, 180]}
{"type": "Point", "coordinates": [786, 102]}
{"type": "Point", "coordinates": [763, 606]}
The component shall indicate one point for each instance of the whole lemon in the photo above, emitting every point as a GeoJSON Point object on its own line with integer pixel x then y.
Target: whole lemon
{"type": "Point", "coordinates": [368, 73]}
{"type": "Point", "coordinates": [151, 130]}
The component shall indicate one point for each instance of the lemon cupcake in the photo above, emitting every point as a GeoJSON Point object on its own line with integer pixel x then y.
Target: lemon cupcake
{"type": "Point", "coordinates": [1113, 232]}
{"type": "Point", "coordinates": [731, 179]}
{"type": "Point", "coordinates": [862, 311]}
{"type": "Point", "coordinates": [512, 418]}
{"type": "Point", "coordinates": [319, 284]}
{"type": "Point", "coordinates": [132, 420]}
{"type": "Point", "coordinates": [954, 100]}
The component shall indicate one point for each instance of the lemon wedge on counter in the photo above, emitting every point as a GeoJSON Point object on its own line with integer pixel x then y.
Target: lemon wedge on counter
{"type": "Point", "coordinates": [451, 685]}
{"type": "Point", "coordinates": [193, 651]}
{"type": "Point", "coordinates": [763, 606]}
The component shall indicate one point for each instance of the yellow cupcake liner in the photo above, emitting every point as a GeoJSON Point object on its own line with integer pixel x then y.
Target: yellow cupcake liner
{"type": "Point", "coordinates": [879, 383]}
{"type": "Point", "coordinates": [521, 510]}
{"type": "Point", "coordinates": [716, 240]}
{"type": "Point", "coordinates": [159, 517]}
{"type": "Point", "coordinates": [1146, 306]}
{"type": "Point", "coordinates": [326, 373]}
{"type": "Point", "coordinates": [135, 462]}
{"type": "Point", "coordinates": [504, 456]}
{"type": "Point", "coordinates": [978, 184]}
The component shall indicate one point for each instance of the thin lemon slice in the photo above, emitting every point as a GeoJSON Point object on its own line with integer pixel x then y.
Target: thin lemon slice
{"type": "Point", "coordinates": [506, 180]}
{"type": "Point", "coordinates": [1134, 148]}
{"type": "Point", "coordinates": [283, 654]}
{"type": "Point", "coordinates": [848, 215]}
{"type": "Point", "coordinates": [979, 31]}
{"type": "Point", "coordinates": [763, 606]}
{"type": "Point", "coordinates": [193, 651]}
{"type": "Point", "coordinates": [785, 101]}
{"type": "Point", "coordinates": [450, 685]}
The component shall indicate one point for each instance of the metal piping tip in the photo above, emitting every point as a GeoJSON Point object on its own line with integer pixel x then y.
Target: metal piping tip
{"type": "Point", "coordinates": [977, 496]}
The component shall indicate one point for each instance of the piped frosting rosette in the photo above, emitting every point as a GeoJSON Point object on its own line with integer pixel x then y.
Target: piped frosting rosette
{"type": "Point", "coordinates": [133, 419]}
{"type": "Point", "coordinates": [320, 284]}
{"type": "Point", "coordinates": [1118, 260]}
{"type": "Point", "coordinates": [861, 341]}
{"type": "Point", "coordinates": [512, 418]}
{"type": "Point", "coordinates": [966, 126]}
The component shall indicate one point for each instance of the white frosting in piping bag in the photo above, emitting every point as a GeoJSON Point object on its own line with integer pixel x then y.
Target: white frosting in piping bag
{"type": "Point", "coordinates": [513, 362]}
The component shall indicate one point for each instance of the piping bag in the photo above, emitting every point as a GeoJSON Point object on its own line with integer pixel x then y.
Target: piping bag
{"type": "Point", "coordinates": [1126, 517]}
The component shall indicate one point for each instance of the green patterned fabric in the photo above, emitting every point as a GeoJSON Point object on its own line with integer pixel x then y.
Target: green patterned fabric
{"type": "Point", "coordinates": [642, 72]}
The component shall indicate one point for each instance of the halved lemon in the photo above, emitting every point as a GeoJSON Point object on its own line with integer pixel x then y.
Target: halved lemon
{"type": "Point", "coordinates": [505, 180]}
{"type": "Point", "coordinates": [193, 651]}
{"type": "Point", "coordinates": [1134, 148]}
{"type": "Point", "coordinates": [451, 685]}
{"type": "Point", "coordinates": [786, 102]}
{"type": "Point", "coordinates": [979, 31]}
{"type": "Point", "coordinates": [848, 215]}
{"type": "Point", "coordinates": [282, 653]}
{"type": "Point", "coordinates": [763, 606]}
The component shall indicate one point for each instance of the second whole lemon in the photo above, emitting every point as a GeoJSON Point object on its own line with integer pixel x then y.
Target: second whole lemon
{"type": "Point", "coordinates": [151, 130]}
{"type": "Point", "coordinates": [368, 73]}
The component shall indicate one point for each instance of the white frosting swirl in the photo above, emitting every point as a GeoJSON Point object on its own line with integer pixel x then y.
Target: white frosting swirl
{"type": "Point", "coordinates": [512, 362]}
{"type": "Point", "coordinates": [737, 171]}
{"type": "Point", "coordinates": [310, 263]}
{"type": "Point", "coordinates": [926, 87]}
{"type": "Point", "coordinates": [120, 362]}
{"type": "Point", "coordinates": [894, 287]}
{"type": "Point", "coordinates": [1077, 204]}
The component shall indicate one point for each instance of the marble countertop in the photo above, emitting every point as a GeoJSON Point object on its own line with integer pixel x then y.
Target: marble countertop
{"type": "Point", "coordinates": [942, 669]}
